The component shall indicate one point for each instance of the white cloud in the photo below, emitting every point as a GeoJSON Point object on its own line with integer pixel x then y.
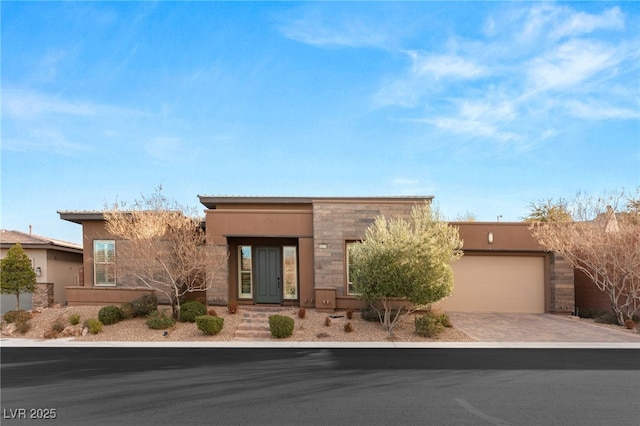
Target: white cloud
{"type": "Point", "coordinates": [312, 26]}
{"type": "Point", "coordinates": [444, 66]}
{"type": "Point", "coordinates": [27, 104]}
{"type": "Point", "coordinates": [570, 64]}
{"type": "Point", "coordinates": [584, 23]}
{"type": "Point", "coordinates": [595, 111]}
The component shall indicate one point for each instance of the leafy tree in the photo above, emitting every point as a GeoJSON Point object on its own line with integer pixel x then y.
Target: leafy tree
{"type": "Point", "coordinates": [604, 243]}
{"type": "Point", "coordinates": [403, 265]}
{"type": "Point", "coordinates": [549, 211]}
{"type": "Point", "coordinates": [16, 274]}
{"type": "Point", "coordinates": [161, 245]}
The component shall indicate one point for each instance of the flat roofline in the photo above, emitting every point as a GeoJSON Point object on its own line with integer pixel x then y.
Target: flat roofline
{"type": "Point", "coordinates": [211, 201]}
{"type": "Point", "coordinates": [81, 216]}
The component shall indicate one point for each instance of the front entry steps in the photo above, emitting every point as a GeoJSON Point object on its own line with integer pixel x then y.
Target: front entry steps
{"type": "Point", "coordinates": [254, 324]}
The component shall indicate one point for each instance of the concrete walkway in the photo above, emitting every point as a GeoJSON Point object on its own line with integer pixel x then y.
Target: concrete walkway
{"type": "Point", "coordinates": [504, 327]}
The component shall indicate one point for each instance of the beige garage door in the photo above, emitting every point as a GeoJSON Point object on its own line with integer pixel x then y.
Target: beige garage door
{"type": "Point", "coordinates": [497, 284]}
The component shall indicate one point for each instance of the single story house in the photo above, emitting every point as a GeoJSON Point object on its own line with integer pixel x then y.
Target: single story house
{"type": "Point", "coordinates": [58, 264]}
{"type": "Point", "coordinates": [293, 251]}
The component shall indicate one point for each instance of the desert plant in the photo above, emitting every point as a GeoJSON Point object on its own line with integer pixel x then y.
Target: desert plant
{"type": "Point", "coordinates": [428, 325]}
{"type": "Point", "coordinates": [629, 324]}
{"type": "Point", "coordinates": [212, 312]}
{"type": "Point", "coordinates": [94, 325]}
{"type": "Point", "coordinates": [209, 324]}
{"type": "Point", "coordinates": [607, 318]}
{"type": "Point", "coordinates": [17, 316]}
{"type": "Point", "coordinates": [350, 313]}
{"type": "Point", "coordinates": [444, 319]}
{"type": "Point", "coordinates": [281, 326]}
{"type": "Point", "coordinates": [232, 307]}
{"type": "Point", "coordinates": [327, 321]}
{"type": "Point", "coordinates": [157, 320]}
{"type": "Point", "coordinates": [144, 305]}
{"type": "Point", "coordinates": [74, 319]}
{"type": "Point", "coordinates": [127, 311]}
{"type": "Point", "coordinates": [190, 310]}
{"type": "Point", "coordinates": [23, 326]}
{"type": "Point", "coordinates": [57, 326]}
{"type": "Point", "coordinates": [302, 312]}
{"type": "Point", "coordinates": [348, 327]}
{"type": "Point", "coordinates": [109, 315]}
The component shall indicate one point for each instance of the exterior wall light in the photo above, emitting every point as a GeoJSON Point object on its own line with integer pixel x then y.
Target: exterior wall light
{"type": "Point", "coordinates": [490, 237]}
{"type": "Point", "coordinates": [38, 271]}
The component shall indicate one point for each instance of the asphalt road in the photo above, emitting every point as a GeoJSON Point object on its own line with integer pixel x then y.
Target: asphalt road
{"type": "Point", "coordinates": [293, 386]}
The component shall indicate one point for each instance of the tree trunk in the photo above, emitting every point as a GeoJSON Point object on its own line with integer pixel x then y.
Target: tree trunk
{"type": "Point", "coordinates": [17, 301]}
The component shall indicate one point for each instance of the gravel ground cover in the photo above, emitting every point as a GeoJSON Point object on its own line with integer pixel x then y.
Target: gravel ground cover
{"type": "Point", "coordinates": [310, 328]}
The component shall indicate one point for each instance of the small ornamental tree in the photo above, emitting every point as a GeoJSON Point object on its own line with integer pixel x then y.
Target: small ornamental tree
{"type": "Point", "coordinates": [604, 243]}
{"type": "Point", "coordinates": [16, 274]}
{"type": "Point", "coordinates": [161, 245]}
{"type": "Point", "coordinates": [404, 265]}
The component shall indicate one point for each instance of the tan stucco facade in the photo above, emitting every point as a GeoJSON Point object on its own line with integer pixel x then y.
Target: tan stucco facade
{"type": "Point", "coordinates": [503, 263]}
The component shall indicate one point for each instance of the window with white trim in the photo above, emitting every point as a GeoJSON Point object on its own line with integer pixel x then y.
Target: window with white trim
{"type": "Point", "coordinates": [104, 262]}
{"type": "Point", "coordinates": [290, 267]}
{"type": "Point", "coordinates": [245, 276]}
{"type": "Point", "coordinates": [350, 290]}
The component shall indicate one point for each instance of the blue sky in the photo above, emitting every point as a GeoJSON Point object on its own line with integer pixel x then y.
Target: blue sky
{"type": "Point", "coordinates": [488, 106]}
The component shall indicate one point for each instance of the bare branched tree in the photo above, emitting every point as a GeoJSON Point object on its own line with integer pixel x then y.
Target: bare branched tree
{"type": "Point", "coordinates": [162, 245]}
{"type": "Point", "coordinates": [604, 243]}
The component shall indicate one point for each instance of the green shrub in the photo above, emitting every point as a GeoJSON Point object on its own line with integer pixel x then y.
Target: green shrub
{"type": "Point", "coordinates": [109, 315]}
{"type": "Point", "coordinates": [590, 313]}
{"type": "Point", "coordinates": [190, 310]}
{"type": "Point", "coordinates": [428, 325]}
{"type": "Point", "coordinates": [444, 319]}
{"type": "Point", "coordinates": [127, 311]}
{"type": "Point", "coordinates": [74, 319]}
{"type": "Point", "coordinates": [159, 320]}
{"type": "Point", "coordinates": [608, 318]}
{"type": "Point", "coordinates": [145, 305]}
{"type": "Point", "coordinates": [281, 326]}
{"type": "Point", "coordinates": [209, 324]}
{"type": "Point", "coordinates": [94, 325]}
{"type": "Point", "coordinates": [17, 316]}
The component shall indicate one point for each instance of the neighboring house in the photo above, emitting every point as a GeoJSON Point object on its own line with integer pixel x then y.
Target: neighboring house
{"type": "Point", "coordinates": [293, 251]}
{"type": "Point", "coordinates": [58, 264]}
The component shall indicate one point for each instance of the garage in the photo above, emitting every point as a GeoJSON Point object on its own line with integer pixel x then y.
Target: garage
{"type": "Point", "coordinates": [497, 284]}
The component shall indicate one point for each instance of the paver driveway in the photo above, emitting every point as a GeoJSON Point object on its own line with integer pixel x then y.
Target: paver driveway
{"type": "Point", "coordinates": [507, 327]}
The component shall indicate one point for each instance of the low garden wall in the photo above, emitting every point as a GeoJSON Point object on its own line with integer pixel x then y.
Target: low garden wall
{"type": "Point", "coordinates": [79, 296]}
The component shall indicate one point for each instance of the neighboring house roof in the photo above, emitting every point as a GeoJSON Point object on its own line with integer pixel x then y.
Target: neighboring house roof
{"type": "Point", "coordinates": [211, 201]}
{"type": "Point", "coordinates": [11, 238]}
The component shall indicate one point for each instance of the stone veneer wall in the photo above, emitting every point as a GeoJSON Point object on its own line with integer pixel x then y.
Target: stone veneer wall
{"type": "Point", "coordinates": [561, 283]}
{"type": "Point", "coordinates": [219, 291]}
{"type": "Point", "coordinates": [43, 296]}
{"type": "Point", "coordinates": [336, 222]}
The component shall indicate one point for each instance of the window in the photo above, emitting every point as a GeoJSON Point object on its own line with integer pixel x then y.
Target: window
{"type": "Point", "coordinates": [104, 263]}
{"type": "Point", "coordinates": [244, 272]}
{"type": "Point", "coordinates": [350, 290]}
{"type": "Point", "coordinates": [290, 267]}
